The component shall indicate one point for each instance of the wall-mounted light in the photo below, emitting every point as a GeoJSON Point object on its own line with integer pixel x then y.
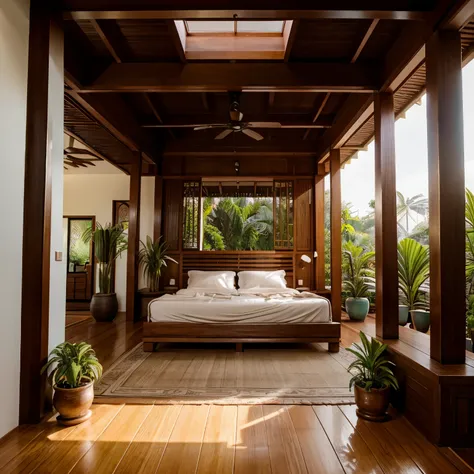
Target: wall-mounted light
{"type": "Point", "coordinates": [315, 255]}
{"type": "Point", "coordinates": [304, 259]}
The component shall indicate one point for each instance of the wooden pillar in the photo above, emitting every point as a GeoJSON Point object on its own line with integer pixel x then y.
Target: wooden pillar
{"type": "Point", "coordinates": [386, 263]}
{"type": "Point", "coordinates": [446, 197]}
{"type": "Point", "coordinates": [45, 37]}
{"type": "Point", "coordinates": [336, 238]}
{"type": "Point", "coordinates": [320, 274]}
{"type": "Point", "coordinates": [133, 312]}
{"type": "Point", "coordinates": [158, 211]}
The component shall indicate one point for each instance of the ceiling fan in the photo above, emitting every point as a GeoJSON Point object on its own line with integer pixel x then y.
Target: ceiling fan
{"type": "Point", "coordinates": [235, 124]}
{"type": "Point", "coordinates": [71, 157]}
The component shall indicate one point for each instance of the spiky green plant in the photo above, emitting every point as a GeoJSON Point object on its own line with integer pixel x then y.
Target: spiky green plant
{"type": "Point", "coordinates": [152, 257]}
{"type": "Point", "coordinates": [74, 365]}
{"type": "Point", "coordinates": [371, 369]}
{"type": "Point", "coordinates": [109, 243]}
{"type": "Point", "coordinates": [413, 273]}
{"type": "Point", "coordinates": [357, 270]}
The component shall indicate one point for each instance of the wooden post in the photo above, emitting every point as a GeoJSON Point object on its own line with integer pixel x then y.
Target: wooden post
{"type": "Point", "coordinates": [446, 197]}
{"type": "Point", "coordinates": [320, 274]}
{"type": "Point", "coordinates": [158, 207]}
{"type": "Point", "coordinates": [386, 264]}
{"type": "Point", "coordinates": [336, 238]}
{"type": "Point", "coordinates": [133, 312]}
{"type": "Point", "coordinates": [45, 41]}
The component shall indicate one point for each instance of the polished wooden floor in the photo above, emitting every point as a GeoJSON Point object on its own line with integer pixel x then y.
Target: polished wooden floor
{"type": "Point", "coordinates": [263, 439]}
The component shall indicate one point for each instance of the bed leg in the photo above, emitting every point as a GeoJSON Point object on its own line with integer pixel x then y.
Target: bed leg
{"type": "Point", "coordinates": [333, 346]}
{"type": "Point", "coordinates": [239, 347]}
{"type": "Point", "coordinates": [148, 346]}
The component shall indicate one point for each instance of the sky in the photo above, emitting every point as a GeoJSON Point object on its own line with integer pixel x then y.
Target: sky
{"type": "Point", "coordinates": [358, 179]}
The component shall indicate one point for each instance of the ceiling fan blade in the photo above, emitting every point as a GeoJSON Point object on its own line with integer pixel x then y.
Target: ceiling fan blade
{"type": "Point", "coordinates": [264, 124]}
{"type": "Point", "coordinates": [252, 134]}
{"type": "Point", "coordinates": [70, 163]}
{"type": "Point", "coordinates": [188, 125]}
{"type": "Point", "coordinates": [77, 151]}
{"type": "Point", "coordinates": [223, 134]}
{"type": "Point", "coordinates": [71, 156]}
{"type": "Point", "coordinates": [71, 141]}
{"type": "Point", "coordinates": [209, 126]}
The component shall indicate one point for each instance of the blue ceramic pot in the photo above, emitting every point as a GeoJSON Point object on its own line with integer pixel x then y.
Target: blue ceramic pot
{"type": "Point", "coordinates": [357, 308]}
{"type": "Point", "coordinates": [403, 314]}
{"type": "Point", "coordinates": [421, 319]}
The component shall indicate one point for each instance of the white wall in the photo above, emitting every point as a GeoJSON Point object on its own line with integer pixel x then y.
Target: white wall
{"type": "Point", "coordinates": [93, 194]}
{"type": "Point", "coordinates": [14, 28]}
{"type": "Point", "coordinates": [57, 281]}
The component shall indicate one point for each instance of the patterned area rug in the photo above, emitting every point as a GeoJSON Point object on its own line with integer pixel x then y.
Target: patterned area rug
{"type": "Point", "coordinates": [74, 319]}
{"type": "Point", "coordinates": [201, 374]}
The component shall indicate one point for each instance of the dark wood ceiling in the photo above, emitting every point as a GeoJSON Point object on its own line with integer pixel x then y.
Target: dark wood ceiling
{"type": "Point", "coordinates": [336, 58]}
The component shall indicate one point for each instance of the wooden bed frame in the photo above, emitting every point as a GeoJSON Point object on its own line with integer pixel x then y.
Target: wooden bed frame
{"type": "Point", "coordinates": [154, 333]}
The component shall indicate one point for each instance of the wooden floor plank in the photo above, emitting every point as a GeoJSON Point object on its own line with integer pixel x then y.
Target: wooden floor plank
{"type": "Point", "coordinates": [109, 448]}
{"type": "Point", "coordinates": [146, 451]}
{"type": "Point", "coordinates": [79, 441]}
{"type": "Point", "coordinates": [318, 452]}
{"type": "Point", "coordinates": [17, 440]}
{"type": "Point", "coordinates": [218, 448]}
{"type": "Point", "coordinates": [285, 452]}
{"type": "Point", "coordinates": [181, 455]}
{"type": "Point", "coordinates": [354, 454]}
{"type": "Point", "coordinates": [252, 453]}
{"type": "Point", "coordinates": [425, 454]}
{"type": "Point", "coordinates": [39, 449]}
{"type": "Point", "coordinates": [389, 454]}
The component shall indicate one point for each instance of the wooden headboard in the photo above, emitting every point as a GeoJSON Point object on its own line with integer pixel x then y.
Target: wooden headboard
{"type": "Point", "coordinates": [237, 261]}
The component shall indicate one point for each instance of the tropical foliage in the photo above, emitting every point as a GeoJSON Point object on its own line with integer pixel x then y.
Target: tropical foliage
{"type": "Point", "coordinates": [109, 243]}
{"type": "Point", "coordinates": [413, 273]}
{"type": "Point", "coordinates": [357, 270]}
{"type": "Point", "coordinates": [79, 250]}
{"type": "Point", "coordinates": [153, 257]}
{"type": "Point", "coordinates": [371, 369]}
{"type": "Point", "coordinates": [237, 224]}
{"type": "Point", "coordinates": [74, 364]}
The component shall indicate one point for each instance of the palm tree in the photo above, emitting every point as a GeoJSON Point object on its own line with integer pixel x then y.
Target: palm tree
{"type": "Point", "coordinates": [406, 206]}
{"type": "Point", "coordinates": [470, 241]}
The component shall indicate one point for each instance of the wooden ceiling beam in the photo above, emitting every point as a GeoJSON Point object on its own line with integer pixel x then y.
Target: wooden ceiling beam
{"type": "Point", "coordinates": [289, 36]}
{"type": "Point", "coordinates": [365, 39]}
{"type": "Point", "coordinates": [178, 36]}
{"type": "Point", "coordinates": [247, 77]}
{"type": "Point", "coordinates": [225, 10]}
{"type": "Point", "coordinates": [318, 113]}
{"type": "Point", "coordinates": [461, 13]}
{"type": "Point", "coordinates": [157, 115]}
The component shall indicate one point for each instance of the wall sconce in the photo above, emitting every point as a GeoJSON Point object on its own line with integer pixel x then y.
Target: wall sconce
{"type": "Point", "coordinates": [237, 167]}
{"type": "Point", "coordinates": [315, 254]}
{"type": "Point", "coordinates": [304, 259]}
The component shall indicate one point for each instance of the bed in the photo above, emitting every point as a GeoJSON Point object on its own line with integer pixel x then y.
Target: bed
{"type": "Point", "coordinates": [259, 311]}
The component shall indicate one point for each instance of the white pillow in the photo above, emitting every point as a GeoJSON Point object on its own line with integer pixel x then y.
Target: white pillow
{"type": "Point", "coordinates": [211, 280]}
{"type": "Point", "coordinates": [259, 279]}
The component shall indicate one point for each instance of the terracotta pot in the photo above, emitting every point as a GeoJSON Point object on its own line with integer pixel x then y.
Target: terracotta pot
{"type": "Point", "coordinates": [372, 405]}
{"type": "Point", "coordinates": [104, 307]}
{"type": "Point", "coordinates": [73, 403]}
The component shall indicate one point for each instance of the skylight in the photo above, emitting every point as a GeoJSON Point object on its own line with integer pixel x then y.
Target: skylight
{"type": "Point", "coordinates": [234, 27]}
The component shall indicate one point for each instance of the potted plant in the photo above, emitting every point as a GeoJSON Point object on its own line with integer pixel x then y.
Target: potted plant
{"type": "Point", "coordinates": [372, 378]}
{"type": "Point", "coordinates": [470, 323]}
{"type": "Point", "coordinates": [153, 257]}
{"type": "Point", "coordinates": [109, 243]}
{"type": "Point", "coordinates": [356, 272]}
{"type": "Point", "coordinates": [413, 275]}
{"type": "Point", "coordinates": [75, 370]}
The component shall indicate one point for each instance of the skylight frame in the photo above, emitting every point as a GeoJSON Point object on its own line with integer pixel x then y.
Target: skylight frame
{"type": "Point", "coordinates": [234, 30]}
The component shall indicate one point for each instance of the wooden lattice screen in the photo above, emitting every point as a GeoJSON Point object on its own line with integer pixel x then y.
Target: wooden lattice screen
{"type": "Point", "coordinates": [191, 214]}
{"type": "Point", "coordinates": [283, 214]}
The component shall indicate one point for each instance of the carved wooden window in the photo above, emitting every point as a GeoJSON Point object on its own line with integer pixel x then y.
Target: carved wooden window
{"type": "Point", "coordinates": [191, 214]}
{"type": "Point", "coordinates": [283, 214]}
{"type": "Point", "coordinates": [121, 213]}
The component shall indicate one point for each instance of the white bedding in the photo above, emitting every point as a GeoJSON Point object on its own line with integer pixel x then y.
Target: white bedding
{"type": "Point", "coordinates": [252, 306]}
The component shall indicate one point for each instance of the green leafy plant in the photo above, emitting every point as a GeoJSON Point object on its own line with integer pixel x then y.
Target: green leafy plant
{"type": "Point", "coordinates": [109, 243]}
{"type": "Point", "coordinates": [357, 270]}
{"type": "Point", "coordinates": [413, 273]}
{"type": "Point", "coordinates": [153, 258]}
{"type": "Point", "coordinates": [75, 365]}
{"type": "Point", "coordinates": [371, 369]}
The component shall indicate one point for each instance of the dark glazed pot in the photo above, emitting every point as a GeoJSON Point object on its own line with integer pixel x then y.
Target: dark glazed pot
{"type": "Point", "coordinates": [104, 307]}
{"type": "Point", "coordinates": [372, 405]}
{"type": "Point", "coordinates": [73, 403]}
